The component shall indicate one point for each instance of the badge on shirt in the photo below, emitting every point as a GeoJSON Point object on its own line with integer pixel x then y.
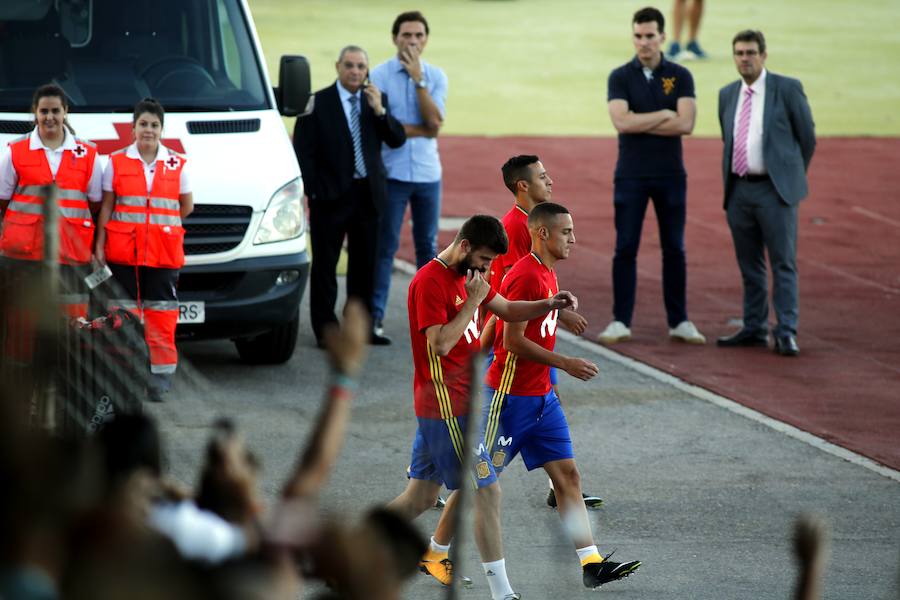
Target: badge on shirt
{"type": "Point", "coordinates": [458, 301]}
{"type": "Point", "coordinates": [668, 85]}
{"type": "Point", "coordinates": [79, 150]}
{"type": "Point", "coordinates": [173, 162]}
{"type": "Point", "coordinates": [499, 459]}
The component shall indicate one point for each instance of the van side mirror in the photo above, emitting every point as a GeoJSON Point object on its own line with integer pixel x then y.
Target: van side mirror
{"type": "Point", "coordinates": [293, 94]}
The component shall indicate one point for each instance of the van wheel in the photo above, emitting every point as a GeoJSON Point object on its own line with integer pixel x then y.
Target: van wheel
{"type": "Point", "coordinates": [271, 348]}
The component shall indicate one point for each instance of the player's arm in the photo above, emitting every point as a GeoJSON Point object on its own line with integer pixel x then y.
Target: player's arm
{"type": "Point", "coordinates": [487, 333]}
{"type": "Point", "coordinates": [443, 338]}
{"type": "Point", "coordinates": [347, 349]}
{"type": "Point", "coordinates": [514, 340]}
{"type": "Point", "coordinates": [525, 310]}
{"type": "Point", "coordinates": [572, 321]}
{"type": "Point", "coordinates": [682, 123]}
{"type": "Point", "coordinates": [626, 121]}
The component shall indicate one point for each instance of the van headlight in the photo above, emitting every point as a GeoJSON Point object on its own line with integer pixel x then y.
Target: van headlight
{"type": "Point", "coordinates": [284, 218]}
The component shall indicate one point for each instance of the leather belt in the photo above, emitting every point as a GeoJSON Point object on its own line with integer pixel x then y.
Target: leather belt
{"type": "Point", "coordinates": [751, 178]}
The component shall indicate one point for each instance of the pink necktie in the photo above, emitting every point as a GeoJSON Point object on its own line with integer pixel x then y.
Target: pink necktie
{"type": "Point", "coordinates": [739, 162]}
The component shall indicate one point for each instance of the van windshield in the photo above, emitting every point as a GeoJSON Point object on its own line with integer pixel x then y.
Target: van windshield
{"type": "Point", "coordinates": [195, 55]}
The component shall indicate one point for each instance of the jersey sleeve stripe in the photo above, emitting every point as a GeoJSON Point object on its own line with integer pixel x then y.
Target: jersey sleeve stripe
{"type": "Point", "coordinates": [443, 397]}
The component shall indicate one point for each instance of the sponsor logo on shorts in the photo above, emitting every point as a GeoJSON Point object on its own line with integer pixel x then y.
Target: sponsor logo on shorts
{"type": "Point", "coordinates": [505, 441]}
{"type": "Point", "coordinates": [482, 470]}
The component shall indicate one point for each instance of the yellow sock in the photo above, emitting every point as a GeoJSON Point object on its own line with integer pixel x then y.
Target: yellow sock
{"type": "Point", "coordinates": [588, 555]}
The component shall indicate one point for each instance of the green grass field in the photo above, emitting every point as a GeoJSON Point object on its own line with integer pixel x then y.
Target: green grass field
{"type": "Point", "coordinates": [535, 67]}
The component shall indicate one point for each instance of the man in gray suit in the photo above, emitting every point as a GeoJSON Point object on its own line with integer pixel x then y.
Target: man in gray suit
{"type": "Point", "coordinates": [769, 140]}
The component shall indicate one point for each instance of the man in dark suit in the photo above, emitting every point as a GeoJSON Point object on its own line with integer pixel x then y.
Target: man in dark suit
{"type": "Point", "coordinates": [769, 140]}
{"type": "Point", "coordinates": [338, 146]}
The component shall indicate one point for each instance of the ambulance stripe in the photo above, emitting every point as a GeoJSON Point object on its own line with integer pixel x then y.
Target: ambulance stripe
{"type": "Point", "coordinates": [506, 379]}
{"type": "Point", "coordinates": [443, 397]}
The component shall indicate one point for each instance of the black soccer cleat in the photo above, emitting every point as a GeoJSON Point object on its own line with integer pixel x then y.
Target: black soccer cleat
{"type": "Point", "coordinates": [590, 501]}
{"type": "Point", "coordinates": [596, 574]}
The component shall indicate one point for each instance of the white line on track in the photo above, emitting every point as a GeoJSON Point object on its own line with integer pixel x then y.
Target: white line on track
{"type": "Point", "coordinates": [874, 215]}
{"type": "Point", "coordinates": [704, 394]}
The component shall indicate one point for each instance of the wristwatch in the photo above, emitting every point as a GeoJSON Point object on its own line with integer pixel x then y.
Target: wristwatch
{"type": "Point", "coordinates": [422, 84]}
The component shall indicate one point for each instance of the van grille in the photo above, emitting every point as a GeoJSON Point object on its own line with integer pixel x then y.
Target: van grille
{"type": "Point", "coordinates": [231, 126]}
{"type": "Point", "coordinates": [213, 228]}
{"type": "Point", "coordinates": [16, 126]}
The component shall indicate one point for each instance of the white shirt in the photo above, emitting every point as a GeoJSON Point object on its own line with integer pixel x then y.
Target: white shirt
{"type": "Point", "coordinates": [755, 163]}
{"type": "Point", "coordinates": [198, 534]}
{"type": "Point", "coordinates": [162, 153]}
{"type": "Point", "coordinates": [9, 178]}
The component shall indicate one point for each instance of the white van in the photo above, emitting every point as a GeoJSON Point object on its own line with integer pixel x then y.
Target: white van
{"type": "Point", "coordinates": [247, 262]}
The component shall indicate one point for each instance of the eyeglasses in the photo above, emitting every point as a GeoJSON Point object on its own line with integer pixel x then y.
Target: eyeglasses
{"type": "Point", "coordinates": [748, 53]}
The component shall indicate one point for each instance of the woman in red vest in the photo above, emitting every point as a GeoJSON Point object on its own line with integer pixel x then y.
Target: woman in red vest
{"type": "Point", "coordinates": [146, 194]}
{"type": "Point", "coordinates": [49, 154]}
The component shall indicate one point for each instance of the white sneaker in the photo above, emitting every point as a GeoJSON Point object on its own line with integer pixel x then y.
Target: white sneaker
{"type": "Point", "coordinates": [615, 332]}
{"type": "Point", "coordinates": [687, 333]}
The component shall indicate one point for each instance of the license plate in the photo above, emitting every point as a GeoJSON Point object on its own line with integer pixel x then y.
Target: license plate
{"type": "Point", "coordinates": [191, 312]}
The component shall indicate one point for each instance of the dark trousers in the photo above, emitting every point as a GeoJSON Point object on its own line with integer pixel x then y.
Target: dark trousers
{"type": "Point", "coordinates": [631, 196]}
{"type": "Point", "coordinates": [761, 222]}
{"type": "Point", "coordinates": [331, 220]}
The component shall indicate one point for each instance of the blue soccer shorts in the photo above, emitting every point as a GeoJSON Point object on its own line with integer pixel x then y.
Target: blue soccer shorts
{"type": "Point", "coordinates": [437, 450]}
{"type": "Point", "coordinates": [534, 426]}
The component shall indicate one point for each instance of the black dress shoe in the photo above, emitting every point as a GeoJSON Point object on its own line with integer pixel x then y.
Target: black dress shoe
{"type": "Point", "coordinates": [786, 345]}
{"type": "Point", "coordinates": [745, 337]}
{"type": "Point", "coordinates": [379, 340]}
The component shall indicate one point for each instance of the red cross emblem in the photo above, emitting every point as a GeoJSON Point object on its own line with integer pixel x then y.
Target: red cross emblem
{"type": "Point", "coordinates": [79, 150]}
{"type": "Point", "coordinates": [172, 162]}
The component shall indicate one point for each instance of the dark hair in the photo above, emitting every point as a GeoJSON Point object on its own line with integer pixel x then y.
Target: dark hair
{"type": "Point", "coordinates": [403, 539]}
{"type": "Point", "coordinates": [544, 212]}
{"type": "Point", "coordinates": [219, 491]}
{"type": "Point", "coordinates": [484, 231]}
{"type": "Point", "coordinates": [412, 15]}
{"type": "Point", "coordinates": [129, 443]}
{"type": "Point", "coordinates": [51, 90]}
{"type": "Point", "coordinates": [149, 105]}
{"type": "Point", "coordinates": [751, 35]}
{"type": "Point", "coordinates": [648, 15]}
{"type": "Point", "coordinates": [516, 169]}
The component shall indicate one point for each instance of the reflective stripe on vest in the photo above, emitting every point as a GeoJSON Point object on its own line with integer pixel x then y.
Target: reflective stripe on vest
{"type": "Point", "coordinates": [72, 180]}
{"type": "Point", "coordinates": [155, 211]}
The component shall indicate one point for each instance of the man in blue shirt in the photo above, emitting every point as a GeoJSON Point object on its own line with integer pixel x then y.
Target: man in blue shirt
{"type": "Point", "coordinates": [418, 93]}
{"type": "Point", "coordinates": [651, 104]}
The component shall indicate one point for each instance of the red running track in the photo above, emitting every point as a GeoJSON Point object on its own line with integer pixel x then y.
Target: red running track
{"type": "Point", "coordinates": [845, 385]}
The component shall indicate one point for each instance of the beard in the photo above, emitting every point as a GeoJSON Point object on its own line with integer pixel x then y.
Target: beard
{"type": "Point", "coordinates": [463, 266]}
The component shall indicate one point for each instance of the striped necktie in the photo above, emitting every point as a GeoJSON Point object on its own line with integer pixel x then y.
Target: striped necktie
{"type": "Point", "coordinates": [359, 170]}
{"type": "Point", "coordinates": [739, 162]}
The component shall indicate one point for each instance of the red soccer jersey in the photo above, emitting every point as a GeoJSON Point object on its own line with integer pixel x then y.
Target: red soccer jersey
{"type": "Point", "coordinates": [515, 222]}
{"type": "Point", "coordinates": [529, 279]}
{"type": "Point", "coordinates": [441, 383]}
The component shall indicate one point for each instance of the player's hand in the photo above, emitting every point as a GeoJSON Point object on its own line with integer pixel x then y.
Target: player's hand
{"type": "Point", "coordinates": [572, 321]}
{"type": "Point", "coordinates": [373, 96]}
{"type": "Point", "coordinates": [564, 300]}
{"type": "Point", "coordinates": [581, 368]}
{"type": "Point", "coordinates": [409, 58]}
{"type": "Point", "coordinates": [476, 287]}
{"type": "Point", "coordinates": [348, 344]}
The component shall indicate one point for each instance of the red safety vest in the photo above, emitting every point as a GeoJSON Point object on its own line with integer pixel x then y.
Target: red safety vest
{"type": "Point", "coordinates": [145, 228]}
{"type": "Point", "coordinates": [22, 233]}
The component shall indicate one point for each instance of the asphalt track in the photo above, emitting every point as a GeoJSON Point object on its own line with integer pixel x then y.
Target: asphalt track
{"type": "Point", "coordinates": [845, 385]}
{"type": "Point", "coordinates": [704, 496]}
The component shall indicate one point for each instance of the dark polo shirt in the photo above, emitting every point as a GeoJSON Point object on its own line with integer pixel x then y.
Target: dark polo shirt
{"type": "Point", "coordinates": [643, 154]}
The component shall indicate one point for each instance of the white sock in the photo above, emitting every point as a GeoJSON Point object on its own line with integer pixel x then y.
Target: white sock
{"type": "Point", "coordinates": [435, 547]}
{"type": "Point", "coordinates": [497, 579]}
{"type": "Point", "coordinates": [551, 483]}
{"type": "Point", "coordinates": [588, 552]}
